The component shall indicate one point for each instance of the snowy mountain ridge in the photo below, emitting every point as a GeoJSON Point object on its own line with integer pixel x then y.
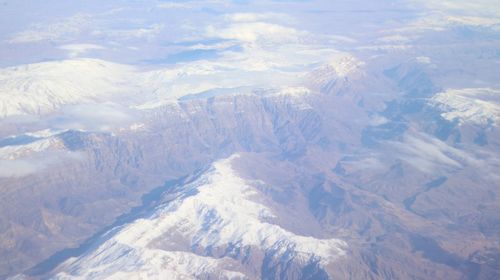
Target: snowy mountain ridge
{"type": "Point", "coordinates": [43, 87]}
{"type": "Point", "coordinates": [218, 211]}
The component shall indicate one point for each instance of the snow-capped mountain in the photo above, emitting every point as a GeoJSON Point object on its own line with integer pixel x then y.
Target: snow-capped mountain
{"type": "Point", "coordinates": [336, 73]}
{"type": "Point", "coordinates": [216, 226]}
{"type": "Point", "coordinates": [41, 88]}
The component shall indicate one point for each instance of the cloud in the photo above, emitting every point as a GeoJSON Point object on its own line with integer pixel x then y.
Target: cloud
{"type": "Point", "coordinates": [423, 59]}
{"type": "Point", "coordinates": [54, 31]}
{"type": "Point", "coordinates": [396, 38]}
{"type": "Point", "coordinates": [442, 21]}
{"type": "Point", "coordinates": [443, 14]}
{"type": "Point", "coordinates": [93, 117]}
{"type": "Point", "coordinates": [477, 8]}
{"type": "Point", "coordinates": [75, 50]}
{"type": "Point", "coordinates": [255, 17]}
{"type": "Point", "coordinates": [261, 28]}
{"type": "Point", "coordinates": [97, 25]}
{"type": "Point", "coordinates": [18, 168]}
{"type": "Point", "coordinates": [173, 5]}
{"type": "Point", "coordinates": [377, 120]}
{"type": "Point", "coordinates": [429, 154]}
{"type": "Point", "coordinates": [35, 163]}
{"type": "Point", "coordinates": [256, 32]}
{"type": "Point", "coordinates": [147, 32]}
{"type": "Point", "coordinates": [340, 39]}
{"type": "Point", "coordinates": [189, 4]}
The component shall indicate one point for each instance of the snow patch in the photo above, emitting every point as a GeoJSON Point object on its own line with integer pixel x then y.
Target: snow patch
{"type": "Point", "coordinates": [469, 105]}
{"type": "Point", "coordinates": [14, 152]}
{"type": "Point", "coordinates": [340, 67]}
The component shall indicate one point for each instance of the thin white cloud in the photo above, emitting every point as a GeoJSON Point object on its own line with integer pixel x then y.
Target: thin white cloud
{"type": "Point", "coordinates": [58, 30]}
{"type": "Point", "coordinates": [18, 168]}
{"type": "Point", "coordinates": [174, 5]}
{"type": "Point", "coordinates": [255, 17]}
{"type": "Point", "coordinates": [36, 162]}
{"type": "Point", "coordinates": [190, 4]}
{"type": "Point", "coordinates": [396, 38]}
{"type": "Point", "coordinates": [477, 7]}
{"type": "Point", "coordinates": [423, 59]}
{"type": "Point", "coordinates": [438, 15]}
{"type": "Point", "coordinates": [75, 50]}
{"type": "Point", "coordinates": [429, 154]}
{"type": "Point", "coordinates": [93, 117]}
{"type": "Point", "coordinates": [256, 32]}
{"type": "Point", "coordinates": [147, 32]}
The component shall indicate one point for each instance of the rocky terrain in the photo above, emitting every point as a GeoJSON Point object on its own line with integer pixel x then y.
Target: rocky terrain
{"type": "Point", "coordinates": [375, 163]}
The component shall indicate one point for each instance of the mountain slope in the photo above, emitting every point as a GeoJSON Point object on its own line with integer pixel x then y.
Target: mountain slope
{"type": "Point", "coordinates": [41, 88]}
{"type": "Point", "coordinates": [215, 226]}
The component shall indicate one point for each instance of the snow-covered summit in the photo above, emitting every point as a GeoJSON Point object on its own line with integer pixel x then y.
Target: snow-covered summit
{"type": "Point", "coordinates": [42, 87]}
{"type": "Point", "coordinates": [219, 211]}
{"type": "Point", "coordinates": [339, 68]}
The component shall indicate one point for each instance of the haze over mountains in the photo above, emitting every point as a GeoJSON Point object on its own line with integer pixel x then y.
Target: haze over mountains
{"type": "Point", "coordinates": [249, 140]}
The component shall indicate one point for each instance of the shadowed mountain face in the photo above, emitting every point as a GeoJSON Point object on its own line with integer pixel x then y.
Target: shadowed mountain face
{"type": "Point", "coordinates": [260, 147]}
